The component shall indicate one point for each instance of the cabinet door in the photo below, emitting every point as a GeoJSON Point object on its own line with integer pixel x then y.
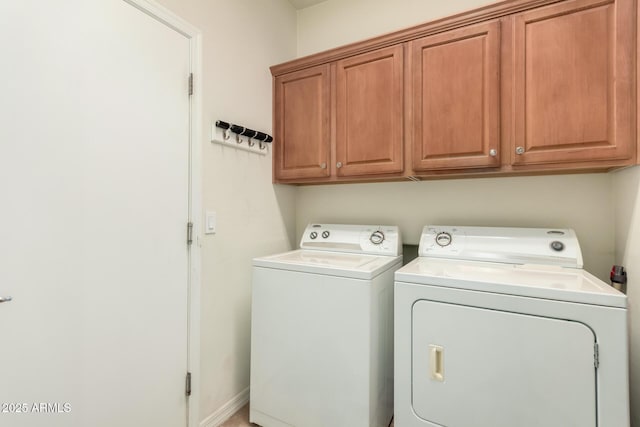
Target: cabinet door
{"type": "Point", "coordinates": [573, 67]}
{"type": "Point", "coordinates": [302, 127]}
{"type": "Point", "coordinates": [369, 113]}
{"type": "Point", "coordinates": [456, 106]}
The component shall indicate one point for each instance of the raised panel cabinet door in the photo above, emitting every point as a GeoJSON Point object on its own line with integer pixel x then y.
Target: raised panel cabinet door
{"type": "Point", "coordinates": [456, 105]}
{"type": "Point", "coordinates": [302, 112]}
{"type": "Point", "coordinates": [573, 69]}
{"type": "Point", "coordinates": [369, 113]}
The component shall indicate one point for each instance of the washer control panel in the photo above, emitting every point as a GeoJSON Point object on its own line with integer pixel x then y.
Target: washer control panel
{"type": "Point", "coordinates": [441, 241]}
{"type": "Point", "coordinates": [501, 244]}
{"type": "Point", "coordinates": [364, 239]}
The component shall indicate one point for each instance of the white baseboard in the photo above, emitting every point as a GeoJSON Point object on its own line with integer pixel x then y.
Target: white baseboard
{"type": "Point", "coordinates": [227, 410]}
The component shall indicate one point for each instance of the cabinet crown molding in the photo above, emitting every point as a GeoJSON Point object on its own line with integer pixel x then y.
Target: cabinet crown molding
{"type": "Point", "coordinates": [484, 13]}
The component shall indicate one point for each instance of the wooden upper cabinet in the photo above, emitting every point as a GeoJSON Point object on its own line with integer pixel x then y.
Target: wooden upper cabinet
{"type": "Point", "coordinates": [513, 87]}
{"type": "Point", "coordinates": [369, 113]}
{"type": "Point", "coordinates": [456, 98]}
{"type": "Point", "coordinates": [302, 125]}
{"type": "Point", "coordinates": [573, 82]}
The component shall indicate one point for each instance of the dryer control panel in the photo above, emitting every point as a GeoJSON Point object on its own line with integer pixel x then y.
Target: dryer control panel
{"type": "Point", "coordinates": [558, 247]}
{"type": "Point", "coordinates": [362, 239]}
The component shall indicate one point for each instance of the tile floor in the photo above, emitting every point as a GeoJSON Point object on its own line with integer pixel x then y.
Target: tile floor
{"type": "Point", "coordinates": [241, 419]}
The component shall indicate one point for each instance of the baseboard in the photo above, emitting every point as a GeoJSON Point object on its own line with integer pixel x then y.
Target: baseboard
{"type": "Point", "coordinates": [227, 410]}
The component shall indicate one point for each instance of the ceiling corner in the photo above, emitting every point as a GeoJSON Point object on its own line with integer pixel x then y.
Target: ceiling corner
{"type": "Point", "coordinates": [302, 4]}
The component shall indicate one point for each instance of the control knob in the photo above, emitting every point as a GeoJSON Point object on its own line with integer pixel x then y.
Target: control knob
{"type": "Point", "coordinates": [377, 237]}
{"type": "Point", "coordinates": [313, 235]}
{"type": "Point", "coordinates": [443, 239]}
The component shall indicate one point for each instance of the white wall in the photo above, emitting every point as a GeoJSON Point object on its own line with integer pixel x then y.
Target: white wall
{"type": "Point", "coordinates": [241, 39]}
{"type": "Point", "coordinates": [626, 186]}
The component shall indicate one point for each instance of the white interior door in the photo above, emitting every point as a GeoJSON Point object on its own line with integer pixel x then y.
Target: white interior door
{"type": "Point", "coordinates": [94, 173]}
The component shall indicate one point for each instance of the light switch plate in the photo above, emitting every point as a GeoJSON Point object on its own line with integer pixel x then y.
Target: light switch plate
{"type": "Point", "coordinates": [210, 223]}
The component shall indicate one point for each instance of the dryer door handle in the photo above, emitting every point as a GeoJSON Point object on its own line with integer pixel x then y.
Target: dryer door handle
{"type": "Point", "coordinates": [436, 362]}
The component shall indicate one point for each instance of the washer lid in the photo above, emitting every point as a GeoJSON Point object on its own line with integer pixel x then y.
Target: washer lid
{"type": "Point", "coordinates": [499, 244]}
{"type": "Point", "coordinates": [537, 281]}
{"type": "Point", "coordinates": [357, 266]}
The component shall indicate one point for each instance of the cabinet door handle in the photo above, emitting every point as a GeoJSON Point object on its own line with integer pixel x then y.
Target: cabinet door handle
{"type": "Point", "coordinates": [5, 299]}
{"type": "Point", "coordinates": [323, 166]}
{"type": "Point", "coordinates": [493, 152]}
{"type": "Point", "coordinates": [339, 165]}
{"type": "Point", "coordinates": [519, 150]}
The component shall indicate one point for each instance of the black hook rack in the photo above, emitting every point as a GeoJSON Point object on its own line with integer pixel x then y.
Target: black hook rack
{"type": "Point", "coordinates": [240, 131]}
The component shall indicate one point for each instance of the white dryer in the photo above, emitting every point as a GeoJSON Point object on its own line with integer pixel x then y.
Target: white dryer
{"type": "Point", "coordinates": [501, 327]}
{"type": "Point", "coordinates": [322, 329]}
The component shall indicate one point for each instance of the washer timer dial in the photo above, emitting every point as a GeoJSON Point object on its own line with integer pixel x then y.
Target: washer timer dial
{"type": "Point", "coordinates": [377, 237]}
{"type": "Point", "coordinates": [443, 239]}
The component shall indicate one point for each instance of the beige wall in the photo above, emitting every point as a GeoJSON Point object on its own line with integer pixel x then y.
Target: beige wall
{"type": "Point", "coordinates": [581, 202]}
{"type": "Point", "coordinates": [241, 39]}
{"type": "Point", "coordinates": [336, 22]}
{"type": "Point", "coordinates": [626, 186]}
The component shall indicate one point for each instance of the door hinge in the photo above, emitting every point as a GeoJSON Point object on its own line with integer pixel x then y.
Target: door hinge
{"type": "Point", "coordinates": [596, 355]}
{"type": "Point", "coordinates": [189, 233]}
{"type": "Point", "coordinates": [187, 388]}
{"type": "Point", "coordinates": [190, 84]}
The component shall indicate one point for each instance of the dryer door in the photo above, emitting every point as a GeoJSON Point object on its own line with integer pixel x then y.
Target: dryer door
{"type": "Point", "coordinates": [480, 367]}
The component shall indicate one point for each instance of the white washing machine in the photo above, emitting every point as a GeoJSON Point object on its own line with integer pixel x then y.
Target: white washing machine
{"type": "Point", "coordinates": [322, 329]}
{"type": "Point", "coordinates": [501, 327]}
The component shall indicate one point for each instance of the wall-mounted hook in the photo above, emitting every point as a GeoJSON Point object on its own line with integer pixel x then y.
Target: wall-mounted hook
{"type": "Point", "coordinates": [249, 133]}
{"type": "Point", "coordinates": [267, 140]}
{"type": "Point", "coordinates": [238, 131]}
{"type": "Point", "coordinates": [262, 137]}
{"type": "Point", "coordinates": [225, 129]}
